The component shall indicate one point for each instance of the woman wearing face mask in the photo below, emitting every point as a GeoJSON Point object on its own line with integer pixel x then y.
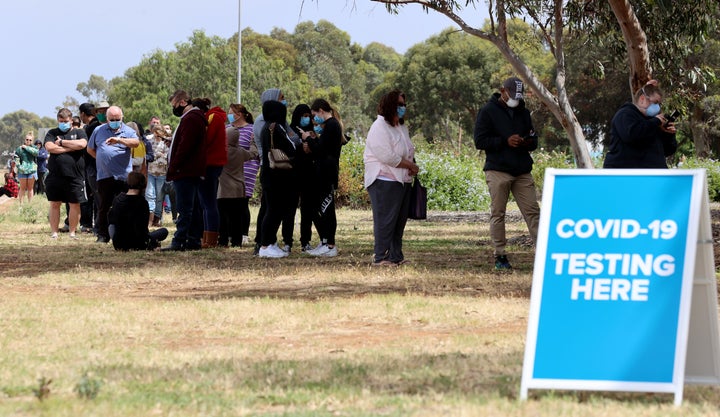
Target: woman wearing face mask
{"type": "Point", "coordinates": [301, 123]}
{"type": "Point", "coordinates": [640, 134]}
{"type": "Point", "coordinates": [389, 172]}
{"type": "Point", "coordinates": [325, 151]}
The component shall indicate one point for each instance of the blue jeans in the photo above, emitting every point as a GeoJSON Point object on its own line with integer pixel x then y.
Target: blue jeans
{"type": "Point", "coordinates": [208, 198]}
{"type": "Point", "coordinates": [154, 194]}
{"type": "Point", "coordinates": [190, 224]}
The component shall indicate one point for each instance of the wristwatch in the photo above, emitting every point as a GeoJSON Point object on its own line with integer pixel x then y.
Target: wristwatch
{"type": "Point", "coordinates": [61, 145]}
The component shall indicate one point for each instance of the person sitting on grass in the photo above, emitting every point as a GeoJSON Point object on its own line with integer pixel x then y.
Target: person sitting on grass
{"type": "Point", "coordinates": [128, 218]}
{"type": "Point", "coordinates": [11, 186]}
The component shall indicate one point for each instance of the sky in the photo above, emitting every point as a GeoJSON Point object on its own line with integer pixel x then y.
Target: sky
{"type": "Point", "coordinates": [51, 46]}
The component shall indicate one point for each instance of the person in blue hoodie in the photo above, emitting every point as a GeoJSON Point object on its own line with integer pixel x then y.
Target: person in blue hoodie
{"type": "Point", "coordinates": [504, 130]}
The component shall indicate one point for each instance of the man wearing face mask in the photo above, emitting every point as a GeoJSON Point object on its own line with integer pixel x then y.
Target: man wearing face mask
{"type": "Point", "coordinates": [187, 164]}
{"type": "Point", "coordinates": [504, 130]}
{"type": "Point", "coordinates": [640, 136]}
{"type": "Point", "coordinates": [65, 181]}
{"type": "Point", "coordinates": [110, 145]}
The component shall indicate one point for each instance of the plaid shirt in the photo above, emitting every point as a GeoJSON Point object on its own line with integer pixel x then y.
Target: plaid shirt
{"type": "Point", "coordinates": [12, 186]}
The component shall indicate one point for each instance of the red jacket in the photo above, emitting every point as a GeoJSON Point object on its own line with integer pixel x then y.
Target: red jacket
{"type": "Point", "coordinates": [11, 185]}
{"type": "Point", "coordinates": [216, 139]}
{"type": "Point", "coordinates": [188, 157]}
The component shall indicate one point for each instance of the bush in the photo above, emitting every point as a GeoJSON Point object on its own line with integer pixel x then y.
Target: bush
{"type": "Point", "coordinates": [454, 182]}
{"type": "Point", "coordinates": [712, 168]}
{"type": "Point", "coordinates": [544, 160]}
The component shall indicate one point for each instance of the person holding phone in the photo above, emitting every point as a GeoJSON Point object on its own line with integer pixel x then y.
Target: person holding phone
{"type": "Point", "coordinates": [641, 136]}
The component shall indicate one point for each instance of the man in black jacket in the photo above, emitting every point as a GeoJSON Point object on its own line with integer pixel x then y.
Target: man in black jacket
{"type": "Point", "coordinates": [504, 130]}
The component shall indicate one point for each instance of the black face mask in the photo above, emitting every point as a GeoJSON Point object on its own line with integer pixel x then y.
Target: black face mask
{"type": "Point", "coordinates": [178, 111]}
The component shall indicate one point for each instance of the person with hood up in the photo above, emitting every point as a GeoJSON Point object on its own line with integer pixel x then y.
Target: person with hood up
{"type": "Point", "coordinates": [277, 183]}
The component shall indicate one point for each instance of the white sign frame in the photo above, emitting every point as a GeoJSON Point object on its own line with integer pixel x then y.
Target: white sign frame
{"type": "Point", "coordinates": [698, 269]}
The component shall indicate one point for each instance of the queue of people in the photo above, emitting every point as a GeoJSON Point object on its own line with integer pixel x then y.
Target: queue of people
{"type": "Point", "coordinates": [210, 165]}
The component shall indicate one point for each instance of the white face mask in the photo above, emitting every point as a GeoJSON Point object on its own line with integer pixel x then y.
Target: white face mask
{"type": "Point", "coordinates": [512, 103]}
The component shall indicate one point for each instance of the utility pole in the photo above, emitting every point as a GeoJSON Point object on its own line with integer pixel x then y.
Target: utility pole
{"type": "Point", "coordinates": [239, 77]}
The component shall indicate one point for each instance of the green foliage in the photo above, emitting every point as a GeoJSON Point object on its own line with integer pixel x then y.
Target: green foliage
{"type": "Point", "coordinates": [88, 387]}
{"type": "Point", "coordinates": [29, 214]}
{"type": "Point", "coordinates": [351, 189]}
{"type": "Point", "coordinates": [454, 182]}
{"type": "Point", "coordinates": [545, 160]}
{"type": "Point", "coordinates": [14, 126]}
{"type": "Point", "coordinates": [712, 167]}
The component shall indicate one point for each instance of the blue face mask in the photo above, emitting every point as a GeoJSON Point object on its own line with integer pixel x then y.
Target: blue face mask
{"type": "Point", "coordinates": [64, 126]}
{"type": "Point", "coordinates": [284, 102]}
{"type": "Point", "coordinates": [317, 119]}
{"type": "Point", "coordinates": [653, 110]}
{"type": "Point", "coordinates": [401, 111]}
{"type": "Point", "coordinates": [115, 124]}
{"type": "Point", "coordinates": [304, 121]}
{"type": "Point", "coordinates": [231, 118]}
{"type": "Point", "coordinates": [318, 129]}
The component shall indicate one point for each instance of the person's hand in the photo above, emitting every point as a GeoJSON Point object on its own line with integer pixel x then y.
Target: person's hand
{"type": "Point", "coordinates": [306, 147]}
{"type": "Point", "coordinates": [515, 141]}
{"type": "Point", "coordinates": [112, 140]}
{"type": "Point", "coordinates": [414, 169]}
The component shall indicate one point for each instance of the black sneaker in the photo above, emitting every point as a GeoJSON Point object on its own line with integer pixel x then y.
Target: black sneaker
{"type": "Point", "coordinates": [502, 263]}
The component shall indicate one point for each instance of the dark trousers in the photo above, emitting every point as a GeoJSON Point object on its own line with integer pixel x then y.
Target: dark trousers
{"type": "Point", "coordinates": [190, 224]}
{"type": "Point", "coordinates": [245, 216]}
{"type": "Point", "coordinates": [324, 218]}
{"type": "Point", "coordinates": [307, 216]}
{"type": "Point", "coordinates": [230, 221]}
{"type": "Point", "coordinates": [390, 202]}
{"type": "Point", "coordinates": [107, 188]}
{"type": "Point", "coordinates": [278, 195]}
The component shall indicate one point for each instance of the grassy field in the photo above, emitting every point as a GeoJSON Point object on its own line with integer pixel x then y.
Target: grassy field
{"type": "Point", "coordinates": [221, 333]}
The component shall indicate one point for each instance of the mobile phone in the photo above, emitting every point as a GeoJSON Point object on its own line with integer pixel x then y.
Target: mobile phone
{"type": "Point", "coordinates": [672, 117]}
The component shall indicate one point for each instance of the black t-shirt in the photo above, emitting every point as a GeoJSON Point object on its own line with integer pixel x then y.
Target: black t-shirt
{"type": "Point", "coordinates": [129, 214]}
{"type": "Point", "coordinates": [68, 164]}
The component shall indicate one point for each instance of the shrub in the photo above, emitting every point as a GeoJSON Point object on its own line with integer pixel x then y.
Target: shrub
{"type": "Point", "coordinates": [712, 168]}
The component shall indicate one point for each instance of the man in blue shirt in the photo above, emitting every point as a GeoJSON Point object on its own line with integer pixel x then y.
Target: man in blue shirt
{"type": "Point", "coordinates": [110, 145]}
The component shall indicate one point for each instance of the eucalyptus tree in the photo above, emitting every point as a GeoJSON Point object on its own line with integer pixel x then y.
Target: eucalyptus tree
{"type": "Point", "coordinates": [554, 20]}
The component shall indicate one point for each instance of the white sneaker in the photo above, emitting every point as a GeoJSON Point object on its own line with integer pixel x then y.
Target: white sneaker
{"type": "Point", "coordinates": [325, 251]}
{"type": "Point", "coordinates": [286, 249]}
{"type": "Point", "coordinates": [272, 251]}
{"type": "Point", "coordinates": [245, 240]}
{"type": "Point", "coordinates": [312, 251]}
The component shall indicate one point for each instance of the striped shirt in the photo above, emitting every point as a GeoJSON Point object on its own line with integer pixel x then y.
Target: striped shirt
{"type": "Point", "coordinates": [252, 166]}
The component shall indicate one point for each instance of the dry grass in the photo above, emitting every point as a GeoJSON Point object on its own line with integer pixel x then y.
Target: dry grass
{"type": "Point", "coordinates": [219, 332]}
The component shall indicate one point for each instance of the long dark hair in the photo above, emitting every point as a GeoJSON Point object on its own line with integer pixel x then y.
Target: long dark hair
{"type": "Point", "coordinates": [240, 109]}
{"type": "Point", "coordinates": [387, 108]}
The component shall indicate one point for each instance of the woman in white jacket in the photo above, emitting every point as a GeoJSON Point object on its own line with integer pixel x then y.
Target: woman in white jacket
{"type": "Point", "coordinates": [389, 169]}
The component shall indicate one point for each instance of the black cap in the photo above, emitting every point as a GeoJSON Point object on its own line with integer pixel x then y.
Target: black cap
{"type": "Point", "coordinates": [514, 87]}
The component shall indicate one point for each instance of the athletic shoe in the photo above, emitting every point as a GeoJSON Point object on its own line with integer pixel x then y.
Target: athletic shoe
{"type": "Point", "coordinates": [73, 236]}
{"type": "Point", "coordinates": [286, 249]}
{"type": "Point", "coordinates": [53, 236]}
{"type": "Point", "coordinates": [272, 251]}
{"type": "Point", "coordinates": [384, 262]}
{"type": "Point", "coordinates": [64, 229]}
{"type": "Point", "coordinates": [245, 240]}
{"type": "Point", "coordinates": [324, 251]}
{"type": "Point", "coordinates": [502, 263]}
{"type": "Point", "coordinates": [306, 248]}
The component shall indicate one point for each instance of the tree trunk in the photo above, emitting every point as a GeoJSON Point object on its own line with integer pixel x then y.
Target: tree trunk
{"type": "Point", "coordinates": [635, 42]}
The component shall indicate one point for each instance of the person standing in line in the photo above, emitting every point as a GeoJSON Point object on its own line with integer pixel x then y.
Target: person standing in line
{"type": "Point", "coordinates": [65, 182]}
{"type": "Point", "coordinates": [325, 150]}
{"type": "Point", "coordinates": [111, 145]}
{"type": "Point", "coordinates": [301, 122]}
{"type": "Point", "coordinates": [216, 148]}
{"type": "Point", "coordinates": [504, 130]}
{"type": "Point", "coordinates": [42, 160]}
{"type": "Point", "coordinates": [640, 135]}
{"type": "Point", "coordinates": [157, 171]}
{"type": "Point", "coordinates": [274, 94]}
{"type": "Point", "coordinates": [90, 208]}
{"type": "Point", "coordinates": [186, 166]}
{"type": "Point", "coordinates": [389, 172]}
{"type": "Point", "coordinates": [27, 167]}
{"type": "Point", "coordinates": [276, 182]}
{"type": "Point", "coordinates": [242, 120]}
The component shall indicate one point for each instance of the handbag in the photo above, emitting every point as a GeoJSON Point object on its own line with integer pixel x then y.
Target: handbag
{"type": "Point", "coordinates": [277, 157]}
{"type": "Point", "coordinates": [417, 209]}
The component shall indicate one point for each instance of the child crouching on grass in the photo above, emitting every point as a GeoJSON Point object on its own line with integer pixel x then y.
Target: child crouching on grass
{"type": "Point", "coordinates": [128, 218]}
